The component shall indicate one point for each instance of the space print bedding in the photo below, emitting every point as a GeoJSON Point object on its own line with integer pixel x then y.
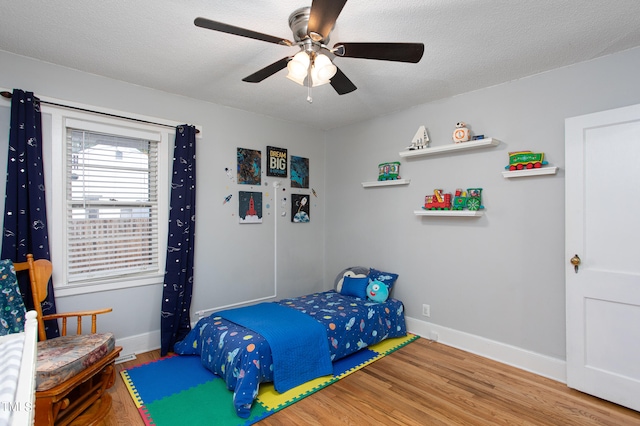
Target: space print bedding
{"type": "Point", "coordinates": [245, 358]}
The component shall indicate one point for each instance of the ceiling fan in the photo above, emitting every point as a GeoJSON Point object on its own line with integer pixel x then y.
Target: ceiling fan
{"type": "Point", "coordinates": [313, 64]}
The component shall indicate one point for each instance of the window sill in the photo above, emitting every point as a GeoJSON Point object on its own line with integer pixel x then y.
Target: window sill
{"type": "Point", "coordinates": [116, 284]}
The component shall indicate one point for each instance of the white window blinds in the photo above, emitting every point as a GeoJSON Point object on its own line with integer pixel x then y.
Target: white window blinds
{"type": "Point", "coordinates": [112, 205]}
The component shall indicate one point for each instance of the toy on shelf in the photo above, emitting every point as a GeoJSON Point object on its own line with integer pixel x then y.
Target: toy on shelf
{"type": "Point", "coordinates": [520, 160]}
{"type": "Point", "coordinates": [389, 171]}
{"type": "Point", "coordinates": [420, 139]}
{"type": "Point", "coordinates": [470, 200]}
{"type": "Point", "coordinates": [437, 201]}
{"type": "Point", "coordinates": [461, 133]}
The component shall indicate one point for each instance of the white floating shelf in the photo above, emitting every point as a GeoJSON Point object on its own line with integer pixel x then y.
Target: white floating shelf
{"type": "Point", "coordinates": [530, 172]}
{"type": "Point", "coordinates": [386, 183]}
{"type": "Point", "coordinates": [465, 213]}
{"type": "Point", "coordinates": [462, 146]}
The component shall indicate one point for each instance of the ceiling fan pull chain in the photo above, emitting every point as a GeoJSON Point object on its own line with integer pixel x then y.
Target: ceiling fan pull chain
{"type": "Point", "coordinates": [309, 83]}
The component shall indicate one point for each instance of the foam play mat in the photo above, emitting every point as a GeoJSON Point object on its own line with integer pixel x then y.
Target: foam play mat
{"type": "Point", "coordinates": [179, 390]}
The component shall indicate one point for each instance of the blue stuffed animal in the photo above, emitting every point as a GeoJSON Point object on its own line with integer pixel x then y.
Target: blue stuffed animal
{"type": "Point", "coordinates": [377, 291]}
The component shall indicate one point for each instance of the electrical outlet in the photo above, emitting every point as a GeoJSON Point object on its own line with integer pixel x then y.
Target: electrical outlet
{"type": "Point", "coordinates": [426, 310]}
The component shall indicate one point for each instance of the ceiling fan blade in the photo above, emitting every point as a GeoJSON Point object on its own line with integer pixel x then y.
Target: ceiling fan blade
{"type": "Point", "coordinates": [342, 84]}
{"type": "Point", "coordinates": [230, 29]}
{"type": "Point", "coordinates": [267, 71]}
{"type": "Point", "coordinates": [401, 52]}
{"type": "Point", "coordinates": [323, 16]}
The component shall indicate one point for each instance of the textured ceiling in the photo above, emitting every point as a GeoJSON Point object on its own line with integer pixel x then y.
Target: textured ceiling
{"type": "Point", "coordinates": [469, 44]}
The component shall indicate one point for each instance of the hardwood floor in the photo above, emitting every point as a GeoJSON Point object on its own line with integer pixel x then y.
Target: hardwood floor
{"type": "Point", "coordinates": [427, 383]}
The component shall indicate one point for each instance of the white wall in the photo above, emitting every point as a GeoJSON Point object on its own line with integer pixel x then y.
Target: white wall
{"type": "Point", "coordinates": [234, 263]}
{"type": "Point", "coordinates": [498, 277]}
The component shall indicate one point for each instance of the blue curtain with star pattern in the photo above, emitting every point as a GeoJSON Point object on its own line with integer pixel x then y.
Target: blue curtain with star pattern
{"type": "Point", "coordinates": [25, 212]}
{"type": "Point", "coordinates": [178, 278]}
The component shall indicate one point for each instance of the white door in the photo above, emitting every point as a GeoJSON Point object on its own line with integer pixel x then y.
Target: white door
{"type": "Point", "coordinates": [602, 220]}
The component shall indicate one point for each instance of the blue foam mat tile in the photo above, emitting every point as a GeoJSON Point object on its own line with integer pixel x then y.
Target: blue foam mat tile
{"type": "Point", "coordinates": [183, 372]}
{"type": "Point", "coordinates": [343, 365]}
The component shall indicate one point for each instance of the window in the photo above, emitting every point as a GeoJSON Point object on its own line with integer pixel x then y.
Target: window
{"type": "Point", "coordinates": [112, 205]}
{"type": "Point", "coordinates": [108, 205]}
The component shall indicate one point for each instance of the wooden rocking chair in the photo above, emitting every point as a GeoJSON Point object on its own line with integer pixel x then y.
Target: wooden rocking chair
{"type": "Point", "coordinates": [73, 372]}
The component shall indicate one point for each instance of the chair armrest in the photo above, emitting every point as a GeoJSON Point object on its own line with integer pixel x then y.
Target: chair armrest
{"type": "Point", "coordinates": [78, 315]}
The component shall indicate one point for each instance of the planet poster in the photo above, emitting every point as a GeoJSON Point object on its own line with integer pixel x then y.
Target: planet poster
{"type": "Point", "coordinates": [299, 172]}
{"type": "Point", "coordinates": [249, 166]}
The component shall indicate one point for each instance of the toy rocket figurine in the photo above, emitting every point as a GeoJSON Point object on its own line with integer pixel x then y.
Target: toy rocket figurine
{"type": "Point", "coordinates": [420, 139]}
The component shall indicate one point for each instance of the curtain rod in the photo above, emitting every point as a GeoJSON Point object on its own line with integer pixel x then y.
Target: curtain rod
{"type": "Point", "coordinates": [8, 95]}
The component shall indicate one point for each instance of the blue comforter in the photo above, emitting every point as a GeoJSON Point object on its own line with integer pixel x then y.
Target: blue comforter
{"type": "Point", "coordinates": [243, 358]}
{"type": "Point", "coordinates": [290, 334]}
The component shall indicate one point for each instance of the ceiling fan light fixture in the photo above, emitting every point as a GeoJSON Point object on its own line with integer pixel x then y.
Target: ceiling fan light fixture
{"type": "Point", "coordinates": [315, 80]}
{"type": "Point", "coordinates": [324, 68]}
{"type": "Point", "coordinates": [320, 76]}
{"type": "Point", "coordinates": [298, 67]}
{"type": "Point", "coordinates": [297, 79]}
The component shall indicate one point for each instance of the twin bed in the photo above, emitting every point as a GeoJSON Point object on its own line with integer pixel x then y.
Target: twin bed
{"type": "Point", "coordinates": [293, 340]}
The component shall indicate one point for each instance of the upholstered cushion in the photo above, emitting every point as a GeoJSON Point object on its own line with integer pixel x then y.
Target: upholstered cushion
{"type": "Point", "coordinates": [63, 357]}
{"type": "Point", "coordinates": [11, 305]}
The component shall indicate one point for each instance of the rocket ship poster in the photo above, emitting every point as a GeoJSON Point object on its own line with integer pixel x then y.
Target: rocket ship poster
{"type": "Point", "coordinates": [300, 208]}
{"type": "Point", "coordinates": [250, 207]}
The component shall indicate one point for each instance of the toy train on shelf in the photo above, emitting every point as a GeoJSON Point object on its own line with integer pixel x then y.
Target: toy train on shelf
{"type": "Point", "coordinates": [471, 200]}
{"type": "Point", "coordinates": [389, 171]}
{"type": "Point", "coordinates": [520, 160]}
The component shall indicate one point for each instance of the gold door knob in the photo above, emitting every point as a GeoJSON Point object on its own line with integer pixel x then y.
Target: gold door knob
{"type": "Point", "coordinates": [575, 261]}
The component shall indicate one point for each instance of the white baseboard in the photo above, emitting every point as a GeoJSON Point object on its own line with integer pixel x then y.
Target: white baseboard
{"type": "Point", "coordinates": [543, 365]}
{"type": "Point", "coordinates": [140, 343]}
